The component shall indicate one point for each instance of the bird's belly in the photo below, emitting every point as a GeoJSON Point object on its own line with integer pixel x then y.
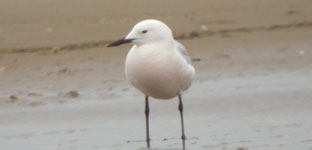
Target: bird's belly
{"type": "Point", "coordinates": [157, 78]}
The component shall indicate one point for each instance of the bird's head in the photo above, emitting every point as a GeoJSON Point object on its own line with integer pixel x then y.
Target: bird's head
{"type": "Point", "coordinates": [146, 31]}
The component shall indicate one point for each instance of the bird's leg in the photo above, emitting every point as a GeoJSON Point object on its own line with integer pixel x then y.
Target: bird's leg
{"type": "Point", "coordinates": [182, 122]}
{"type": "Point", "coordinates": [147, 121]}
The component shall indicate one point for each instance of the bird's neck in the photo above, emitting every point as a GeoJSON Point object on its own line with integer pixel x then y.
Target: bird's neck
{"type": "Point", "coordinates": [159, 43]}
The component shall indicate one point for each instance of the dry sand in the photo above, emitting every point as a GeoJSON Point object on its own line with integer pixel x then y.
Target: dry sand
{"type": "Point", "coordinates": [253, 88]}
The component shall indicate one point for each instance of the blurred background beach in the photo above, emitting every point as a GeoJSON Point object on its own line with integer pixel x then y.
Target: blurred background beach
{"type": "Point", "coordinates": [61, 88]}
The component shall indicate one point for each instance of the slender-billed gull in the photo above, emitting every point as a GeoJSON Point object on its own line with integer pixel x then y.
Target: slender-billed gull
{"type": "Point", "coordinates": [157, 65]}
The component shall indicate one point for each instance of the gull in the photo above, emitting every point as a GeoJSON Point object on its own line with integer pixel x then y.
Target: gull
{"type": "Point", "coordinates": [157, 65]}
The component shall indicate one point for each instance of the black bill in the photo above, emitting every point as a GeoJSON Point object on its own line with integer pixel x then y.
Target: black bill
{"type": "Point", "coordinates": [119, 42]}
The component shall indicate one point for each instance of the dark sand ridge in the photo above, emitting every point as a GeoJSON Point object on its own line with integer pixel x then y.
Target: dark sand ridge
{"type": "Point", "coordinates": [33, 23]}
{"type": "Point", "coordinates": [183, 36]}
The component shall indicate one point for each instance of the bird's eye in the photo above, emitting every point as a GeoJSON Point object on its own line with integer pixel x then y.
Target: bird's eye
{"type": "Point", "coordinates": [144, 31]}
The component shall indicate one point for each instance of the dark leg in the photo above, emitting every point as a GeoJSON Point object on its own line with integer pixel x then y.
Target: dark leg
{"type": "Point", "coordinates": [182, 122]}
{"type": "Point", "coordinates": [147, 122]}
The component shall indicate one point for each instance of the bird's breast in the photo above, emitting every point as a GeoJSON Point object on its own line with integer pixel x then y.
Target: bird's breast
{"type": "Point", "coordinates": [155, 72]}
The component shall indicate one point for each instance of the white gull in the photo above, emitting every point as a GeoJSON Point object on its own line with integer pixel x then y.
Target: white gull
{"type": "Point", "coordinates": [157, 65]}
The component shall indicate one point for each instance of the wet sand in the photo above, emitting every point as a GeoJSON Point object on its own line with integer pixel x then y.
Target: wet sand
{"type": "Point", "coordinates": [252, 90]}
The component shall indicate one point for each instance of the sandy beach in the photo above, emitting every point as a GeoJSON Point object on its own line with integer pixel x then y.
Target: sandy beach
{"type": "Point", "coordinates": [252, 91]}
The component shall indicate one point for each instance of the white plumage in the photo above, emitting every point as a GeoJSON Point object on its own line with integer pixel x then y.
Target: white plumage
{"type": "Point", "coordinates": [157, 65]}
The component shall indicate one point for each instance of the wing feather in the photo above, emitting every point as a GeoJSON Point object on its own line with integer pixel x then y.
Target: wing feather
{"type": "Point", "coordinates": [183, 51]}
